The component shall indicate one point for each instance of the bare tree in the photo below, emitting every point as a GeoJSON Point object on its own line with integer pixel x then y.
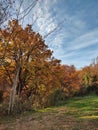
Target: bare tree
{"type": "Point", "coordinates": [5, 13]}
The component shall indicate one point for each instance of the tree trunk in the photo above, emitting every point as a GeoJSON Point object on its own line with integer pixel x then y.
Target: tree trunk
{"type": "Point", "coordinates": [13, 92]}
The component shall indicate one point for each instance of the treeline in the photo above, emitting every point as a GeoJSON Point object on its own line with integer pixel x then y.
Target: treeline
{"type": "Point", "coordinates": [30, 77]}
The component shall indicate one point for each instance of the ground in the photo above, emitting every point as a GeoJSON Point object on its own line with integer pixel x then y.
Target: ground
{"type": "Point", "coordinates": [80, 113]}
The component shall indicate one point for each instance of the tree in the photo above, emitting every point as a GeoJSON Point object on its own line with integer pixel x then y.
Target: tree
{"type": "Point", "coordinates": [5, 7]}
{"type": "Point", "coordinates": [89, 78]}
{"type": "Point", "coordinates": [24, 51]}
{"type": "Point", "coordinates": [70, 80]}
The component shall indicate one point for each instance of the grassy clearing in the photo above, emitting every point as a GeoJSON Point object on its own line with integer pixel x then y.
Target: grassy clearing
{"type": "Point", "coordinates": [78, 106]}
{"type": "Point", "coordinates": [84, 106]}
{"type": "Point", "coordinates": [79, 113]}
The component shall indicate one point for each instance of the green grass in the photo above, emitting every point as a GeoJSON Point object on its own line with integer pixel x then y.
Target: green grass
{"type": "Point", "coordinates": [81, 107]}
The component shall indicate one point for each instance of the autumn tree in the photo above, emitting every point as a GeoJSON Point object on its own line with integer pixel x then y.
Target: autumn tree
{"type": "Point", "coordinates": [89, 78]}
{"type": "Point", "coordinates": [21, 51]}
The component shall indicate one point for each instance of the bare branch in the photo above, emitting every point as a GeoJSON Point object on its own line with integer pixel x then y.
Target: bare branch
{"type": "Point", "coordinates": [52, 31]}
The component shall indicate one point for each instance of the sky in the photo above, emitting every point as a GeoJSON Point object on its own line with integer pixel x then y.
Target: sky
{"type": "Point", "coordinates": [75, 41]}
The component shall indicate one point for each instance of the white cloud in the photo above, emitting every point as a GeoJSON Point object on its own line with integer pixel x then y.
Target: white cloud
{"type": "Point", "coordinates": [85, 40]}
{"type": "Point", "coordinates": [45, 22]}
{"type": "Point", "coordinates": [74, 35]}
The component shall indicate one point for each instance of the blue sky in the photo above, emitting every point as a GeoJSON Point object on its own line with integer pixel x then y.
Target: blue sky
{"type": "Point", "coordinates": [76, 40]}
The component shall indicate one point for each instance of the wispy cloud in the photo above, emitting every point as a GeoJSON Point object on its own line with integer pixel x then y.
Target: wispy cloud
{"type": "Point", "coordinates": [79, 51]}
{"type": "Point", "coordinates": [85, 40]}
{"type": "Point", "coordinates": [45, 22]}
{"type": "Point", "coordinates": [79, 33]}
{"type": "Point", "coordinates": [80, 58]}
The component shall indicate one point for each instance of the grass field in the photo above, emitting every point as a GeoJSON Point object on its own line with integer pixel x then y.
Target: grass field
{"type": "Point", "coordinates": [79, 113]}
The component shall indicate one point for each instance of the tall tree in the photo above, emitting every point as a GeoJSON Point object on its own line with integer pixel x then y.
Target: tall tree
{"type": "Point", "coordinates": [21, 50]}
